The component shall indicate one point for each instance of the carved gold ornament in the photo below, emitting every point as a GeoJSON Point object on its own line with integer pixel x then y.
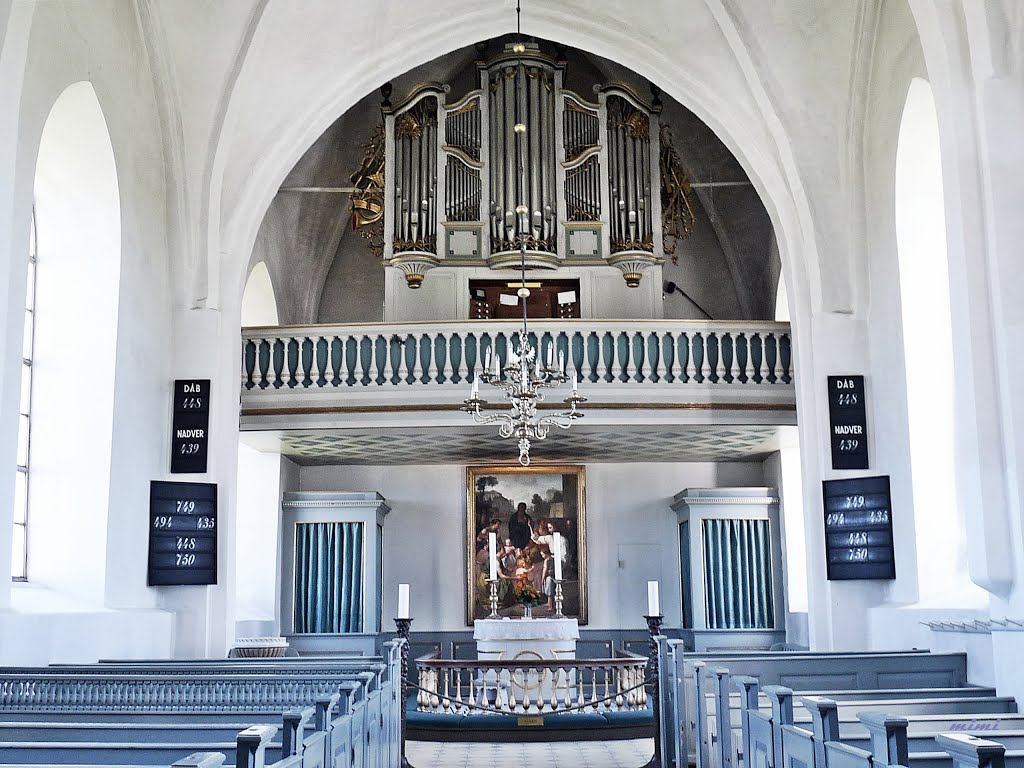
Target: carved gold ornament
{"type": "Point", "coordinates": [368, 199]}
{"type": "Point", "coordinates": [677, 217]}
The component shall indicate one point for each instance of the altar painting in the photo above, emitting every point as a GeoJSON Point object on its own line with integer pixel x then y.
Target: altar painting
{"type": "Point", "coordinates": [524, 507]}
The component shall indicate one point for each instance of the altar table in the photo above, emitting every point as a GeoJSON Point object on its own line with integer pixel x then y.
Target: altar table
{"type": "Point", "coordinates": [528, 640]}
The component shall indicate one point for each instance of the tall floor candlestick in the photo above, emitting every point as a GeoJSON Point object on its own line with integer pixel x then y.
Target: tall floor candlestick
{"type": "Point", "coordinates": [404, 625]}
{"type": "Point", "coordinates": [654, 627]}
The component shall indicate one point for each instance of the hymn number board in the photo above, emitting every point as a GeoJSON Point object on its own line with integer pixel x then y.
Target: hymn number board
{"type": "Point", "coordinates": [848, 422]}
{"type": "Point", "coordinates": [190, 425]}
{"type": "Point", "coordinates": [182, 533]}
{"type": "Point", "coordinates": [858, 529]}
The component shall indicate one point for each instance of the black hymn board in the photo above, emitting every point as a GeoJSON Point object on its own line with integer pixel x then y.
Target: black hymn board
{"type": "Point", "coordinates": [182, 533]}
{"type": "Point", "coordinates": [858, 529]}
{"type": "Point", "coordinates": [190, 425]}
{"type": "Point", "coordinates": [848, 422]}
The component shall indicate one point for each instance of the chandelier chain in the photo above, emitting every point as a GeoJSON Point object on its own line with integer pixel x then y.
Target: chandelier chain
{"type": "Point", "coordinates": [526, 373]}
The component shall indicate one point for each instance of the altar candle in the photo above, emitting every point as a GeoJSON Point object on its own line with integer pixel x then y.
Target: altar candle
{"type": "Point", "coordinates": [492, 545]}
{"type": "Point", "coordinates": [403, 601]}
{"type": "Point", "coordinates": [558, 556]}
{"type": "Point", "coordinates": [653, 604]}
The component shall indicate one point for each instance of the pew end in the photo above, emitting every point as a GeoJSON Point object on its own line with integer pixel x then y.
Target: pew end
{"type": "Point", "coordinates": [971, 752]}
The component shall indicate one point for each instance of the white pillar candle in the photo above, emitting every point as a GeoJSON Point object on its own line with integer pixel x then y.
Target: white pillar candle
{"type": "Point", "coordinates": [492, 545]}
{"type": "Point", "coordinates": [653, 603]}
{"type": "Point", "coordinates": [497, 365]}
{"type": "Point", "coordinates": [403, 601]}
{"type": "Point", "coordinates": [551, 355]}
{"type": "Point", "coordinates": [476, 387]}
{"type": "Point", "coordinates": [487, 360]}
{"type": "Point", "coordinates": [558, 556]}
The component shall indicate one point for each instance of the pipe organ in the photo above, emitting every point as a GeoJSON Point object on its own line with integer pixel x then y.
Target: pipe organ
{"type": "Point", "coordinates": [465, 185]}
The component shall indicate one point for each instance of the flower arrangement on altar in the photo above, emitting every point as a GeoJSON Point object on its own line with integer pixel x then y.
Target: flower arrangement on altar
{"type": "Point", "coordinates": [529, 596]}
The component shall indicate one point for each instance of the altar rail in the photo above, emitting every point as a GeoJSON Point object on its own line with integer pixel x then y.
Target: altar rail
{"type": "Point", "coordinates": [660, 352]}
{"type": "Point", "coordinates": [518, 687]}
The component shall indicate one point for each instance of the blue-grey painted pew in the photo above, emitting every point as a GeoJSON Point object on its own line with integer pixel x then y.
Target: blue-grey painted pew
{"type": "Point", "coordinates": [775, 742]}
{"type": "Point", "coordinates": [300, 747]}
{"type": "Point", "coordinates": [725, 750]}
{"type": "Point", "coordinates": [712, 694]}
{"type": "Point", "coordinates": [194, 760]}
{"type": "Point", "coordinates": [804, 671]}
{"type": "Point", "coordinates": [55, 690]}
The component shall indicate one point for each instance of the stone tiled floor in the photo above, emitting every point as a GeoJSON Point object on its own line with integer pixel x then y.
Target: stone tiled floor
{"type": "Point", "coordinates": [568, 754]}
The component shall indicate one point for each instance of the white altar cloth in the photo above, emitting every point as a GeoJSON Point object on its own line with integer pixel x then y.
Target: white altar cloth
{"type": "Point", "coordinates": [528, 640]}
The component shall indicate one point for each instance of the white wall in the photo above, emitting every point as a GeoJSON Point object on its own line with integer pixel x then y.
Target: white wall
{"type": "Point", "coordinates": [632, 534]}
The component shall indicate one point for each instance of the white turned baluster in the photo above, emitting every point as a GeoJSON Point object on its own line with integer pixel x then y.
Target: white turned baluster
{"type": "Point", "coordinates": [720, 362]}
{"type": "Point", "coordinates": [458, 688]}
{"type": "Point", "coordinates": [245, 371]}
{"type": "Point", "coordinates": [314, 363]}
{"type": "Point", "coordinates": [593, 688]}
{"type": "Point", "coordinates": [403, 368]}
{"type": "Point", "coordinates": [463, 370]}
{"type": "Point", "coordinates": [772, 374]}
{"type": "Point", "coordinates": [760, 360]}
{"type": "Point", "coordinates": [446, 701]}
{"type": "Point", "coordinates": [281, 376]}
{"type": "Point", "coordinates": [675, 371]}
{"type": "Point", "coordinates": [435, 700]}
{"type": "Point", "coordinates": [446, 356]}
{"type": "Point", "coordinates": [691, 366]}
{"type": "Point", "coordinates": [567, 699]}
{"type": "Point", "coordinates": [421, 696]}
{"type": "Point", "coordinates": [558, 675]}
{"type": "Point", "coordinates": [389, 369]}
{"type": "Point", "coordinates": [705, 362]}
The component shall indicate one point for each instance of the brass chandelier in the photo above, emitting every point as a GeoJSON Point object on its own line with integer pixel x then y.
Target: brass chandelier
{"type": "Point", "coordinates": [527, 373]}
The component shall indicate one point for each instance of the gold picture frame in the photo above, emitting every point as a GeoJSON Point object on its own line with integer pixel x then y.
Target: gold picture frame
{"type": "Point", "coordinates": [555, 497]}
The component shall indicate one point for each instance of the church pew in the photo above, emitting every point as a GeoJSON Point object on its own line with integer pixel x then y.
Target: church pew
{"type": "Point", "coordinates": [719, 740]}
{"type": "Point", "coordinates": [804, 671]}
{"type": "Point", "coordinates": [300, 745]}
{"type": "Point", "coordinates": [775, 740]}
{"type": "Point", "coordinates": [962, 701]}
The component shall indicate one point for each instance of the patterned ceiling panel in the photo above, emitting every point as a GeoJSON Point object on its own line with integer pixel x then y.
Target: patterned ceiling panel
{"type": "Point", "coordinates": [442, 446]}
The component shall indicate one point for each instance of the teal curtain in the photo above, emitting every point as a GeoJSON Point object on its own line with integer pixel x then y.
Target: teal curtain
{"type": "Point", "coordinates": [685, 573]}
{"type": "Point", "coordinates": [738, 574]}
{"type": "Point", "coordinates": [328, 577]}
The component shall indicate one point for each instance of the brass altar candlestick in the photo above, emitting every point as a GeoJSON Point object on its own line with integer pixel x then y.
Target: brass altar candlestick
{"type": "Point", "coordinates": [493, 584]}
{"type": "Point", "coordinates": [558, 599]}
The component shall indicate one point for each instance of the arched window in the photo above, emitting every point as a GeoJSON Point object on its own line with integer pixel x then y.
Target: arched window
{"type": "Point", "coordinates": [78, 222]}
{"type": "Point", "coordinates": [19, 554]}
{"type": "Point", "coordinates": [928, 344]}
